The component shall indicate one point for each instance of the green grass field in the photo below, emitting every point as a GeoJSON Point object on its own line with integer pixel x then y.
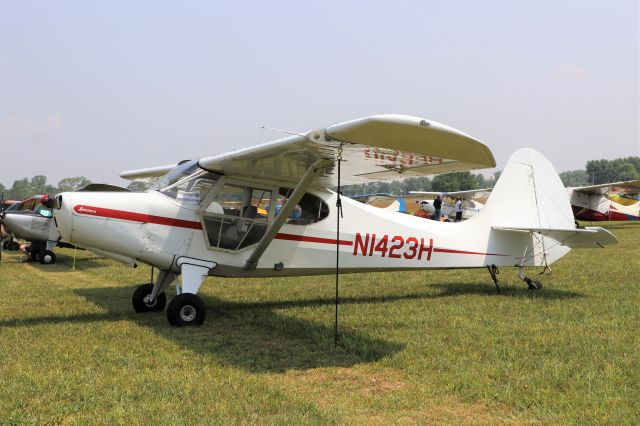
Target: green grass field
{"type": "Point", "coordinates": [415, 347]}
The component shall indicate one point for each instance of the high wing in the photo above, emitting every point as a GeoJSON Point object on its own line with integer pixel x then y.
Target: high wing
{"type": "Point", "coordinates": [630, 186]}
{"type": "Point", "coordinates": [377, 148]}
{"type": "Point", "coordinates": [462, 194]}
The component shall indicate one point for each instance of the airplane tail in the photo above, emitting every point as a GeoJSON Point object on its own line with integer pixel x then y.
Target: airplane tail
{"type": "Point", "coordinates": [529, 194]}
{"type": "Point", "coordinates": [530, 199]}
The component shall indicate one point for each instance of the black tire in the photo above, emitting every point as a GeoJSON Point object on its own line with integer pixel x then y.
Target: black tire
{"type": "Point", "coordinates": [13, 246]}
{"type": "Point", "coordinates": [5, 245]}
{"type": "Point", "coordinates": [139, 303]}
{"type": "Point", "coordinates": [46, 257]}
{"type": "Point", "coordinates": [186, 309]}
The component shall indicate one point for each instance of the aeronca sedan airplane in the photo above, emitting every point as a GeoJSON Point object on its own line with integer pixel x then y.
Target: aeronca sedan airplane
{"type": "Point", "coordinates": [209, 217]}
{"type": "Point", "coordinates": [607, 201]}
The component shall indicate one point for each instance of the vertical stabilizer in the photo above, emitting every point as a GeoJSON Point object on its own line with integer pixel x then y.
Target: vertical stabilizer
{"type": "Point", "coordinates": [529, 194]}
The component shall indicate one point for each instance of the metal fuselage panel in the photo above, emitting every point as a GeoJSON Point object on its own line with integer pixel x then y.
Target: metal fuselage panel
{"type": "Point", "coordinates": [157, 230]}
{"type": "Point", "coordinates": [30, 226]}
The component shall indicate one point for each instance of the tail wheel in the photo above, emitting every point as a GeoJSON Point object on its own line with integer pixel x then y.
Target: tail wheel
{"type": "Point", "coordinates": [140, 299]}
{"type": "Point", "coordinates": [13, 246]}
{"type": "Point", "coordinates": [46, 257]}
{"type": "Point", "coordinates": [186, 309]}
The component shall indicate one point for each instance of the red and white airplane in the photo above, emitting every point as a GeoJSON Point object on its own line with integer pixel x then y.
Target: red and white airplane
{"type": "Point", "coordinates": [607, 201]}
{"type": "Point", "coordinates": [209, 217]}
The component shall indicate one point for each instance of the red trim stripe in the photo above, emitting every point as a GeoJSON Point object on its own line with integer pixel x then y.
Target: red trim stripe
{"type": "Point", "coordinates": [293, 237]}
{"type": "Point", "coordinates": [135, 217]}
{"type": "Point", "coordinates": [443, 250]}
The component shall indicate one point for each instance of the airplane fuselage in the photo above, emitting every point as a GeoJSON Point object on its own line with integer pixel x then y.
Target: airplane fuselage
{"type": "Point", "coordinates": [594, 208]}
{"type": "Point", "coordinates": [161, 231]}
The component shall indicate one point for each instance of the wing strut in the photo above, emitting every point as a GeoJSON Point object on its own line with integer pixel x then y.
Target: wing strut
{"type": "Point", "coordinates": [309, 176]}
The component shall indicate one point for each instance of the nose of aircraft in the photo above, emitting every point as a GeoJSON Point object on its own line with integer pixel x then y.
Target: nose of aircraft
{"type": "Point", "coordinates": [9, 221]}
{"type": "Point", "coordinates": [64, 215]}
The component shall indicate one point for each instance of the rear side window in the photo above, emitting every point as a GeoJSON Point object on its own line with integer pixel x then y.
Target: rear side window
{"type": "Point", "coordinates": [310, 209]}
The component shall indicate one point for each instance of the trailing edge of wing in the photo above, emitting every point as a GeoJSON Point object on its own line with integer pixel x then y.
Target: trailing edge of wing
{"type": "Point", "coordinates": [588, 237]}
{"type": "Point", "coordinates": [376, 148]}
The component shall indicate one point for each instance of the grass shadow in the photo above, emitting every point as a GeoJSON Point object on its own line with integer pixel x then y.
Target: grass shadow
{"type": "Point", "coordinates": [255, 337]}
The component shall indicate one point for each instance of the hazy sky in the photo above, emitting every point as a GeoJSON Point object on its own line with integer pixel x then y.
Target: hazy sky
{"type": "Point", "coordinates": [93, 88]}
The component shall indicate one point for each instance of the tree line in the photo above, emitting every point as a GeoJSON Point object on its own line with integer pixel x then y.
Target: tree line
{"type": "Point", "coordinates": [595, 172]}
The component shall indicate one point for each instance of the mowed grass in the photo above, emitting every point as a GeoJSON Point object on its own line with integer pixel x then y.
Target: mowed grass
{"type": "Point", "coordinates": [415, 347]}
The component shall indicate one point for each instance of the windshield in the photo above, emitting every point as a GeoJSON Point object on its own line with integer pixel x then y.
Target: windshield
{"type": "Point", "coordinates": [180, 171]}
{"type": "Point", "coordinates": [13, 207]}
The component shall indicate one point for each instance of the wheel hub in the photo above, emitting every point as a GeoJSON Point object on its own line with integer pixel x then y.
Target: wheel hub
{"type": "Point", "coordinates": [147, 301]}
{"type": "Point", "coordinates": [187, 313]}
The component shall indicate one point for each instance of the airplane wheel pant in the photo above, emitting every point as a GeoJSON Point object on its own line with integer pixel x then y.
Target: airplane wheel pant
{"type": "Point", "coordinates": [139, 303]}
{"type": "Point", "coordinates": [186, 309]}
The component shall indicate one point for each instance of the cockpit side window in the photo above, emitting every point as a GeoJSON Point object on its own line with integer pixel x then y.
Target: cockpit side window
{"type": "Point", "coordinates": [237, 216]}
{"type": "Point", "coordinates": [310, 209]}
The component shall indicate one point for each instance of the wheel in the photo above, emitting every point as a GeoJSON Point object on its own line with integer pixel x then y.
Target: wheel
{"type": "Point", "coordinates": [46, 257]}
{"type": "Point", "coordinates": [140, 298]}
{"type": "Point", "coordinates": [13, 246]}
{"type": "Point", "coordinates": [186, 309]}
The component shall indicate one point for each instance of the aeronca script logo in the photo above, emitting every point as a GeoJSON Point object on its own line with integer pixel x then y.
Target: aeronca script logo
{"type": "Point", "coordinates": [83, 209]}
{"type": "Point", "coordinates": [394, 247]}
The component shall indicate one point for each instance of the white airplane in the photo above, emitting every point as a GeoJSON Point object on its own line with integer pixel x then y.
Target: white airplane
{"type": "Point", "coordinates": [607, 201]}
{"type": "Point", "coordinates": [202, 218]}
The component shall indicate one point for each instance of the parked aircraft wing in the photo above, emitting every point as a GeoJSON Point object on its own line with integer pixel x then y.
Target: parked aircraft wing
{"type": "Point", "coordinates": [588, 237]}
{"type": "Point", "coordinates": [462, 194]}
{"type": "Point", "coordinates": [376, 148]}
{"type": "Point", "coordinates": [149, 172]}
{"type": "Point", "coordinates": [629, 186]}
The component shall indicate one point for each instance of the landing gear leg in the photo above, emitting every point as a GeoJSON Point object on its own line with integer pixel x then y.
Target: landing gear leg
{"type": "Point", "coordinates": [533, 284]}
{"type": "Point", "coordinates": [187, 308]}
{"type": "Point", "coordinates": [494, 271]}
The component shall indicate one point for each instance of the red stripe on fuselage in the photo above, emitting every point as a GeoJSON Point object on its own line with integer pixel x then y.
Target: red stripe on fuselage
{"type": "Point", "coordinates": [135, 217]}
{"type": "Point", "coordinates": [306, 239]}
{"type": "Point", "coordinates": [443, 250]}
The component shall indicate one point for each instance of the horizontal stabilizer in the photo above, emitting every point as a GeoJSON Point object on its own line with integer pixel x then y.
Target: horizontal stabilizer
{"type": "Point", "coordinates": [589, 237]}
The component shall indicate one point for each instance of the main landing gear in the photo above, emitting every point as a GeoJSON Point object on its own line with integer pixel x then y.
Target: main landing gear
{"type": "Point", "coordinates": [186, 308]}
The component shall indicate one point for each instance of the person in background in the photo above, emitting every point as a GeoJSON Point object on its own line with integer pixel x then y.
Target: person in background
{"type": "Point", "coordinates": [437, 205]}
{"type": "Point", "coordinates": [458, 209]}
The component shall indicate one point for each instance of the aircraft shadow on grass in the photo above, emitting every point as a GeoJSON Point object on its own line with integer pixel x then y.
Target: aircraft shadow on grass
{"type": "Point", "coordinates": [256, 337]}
